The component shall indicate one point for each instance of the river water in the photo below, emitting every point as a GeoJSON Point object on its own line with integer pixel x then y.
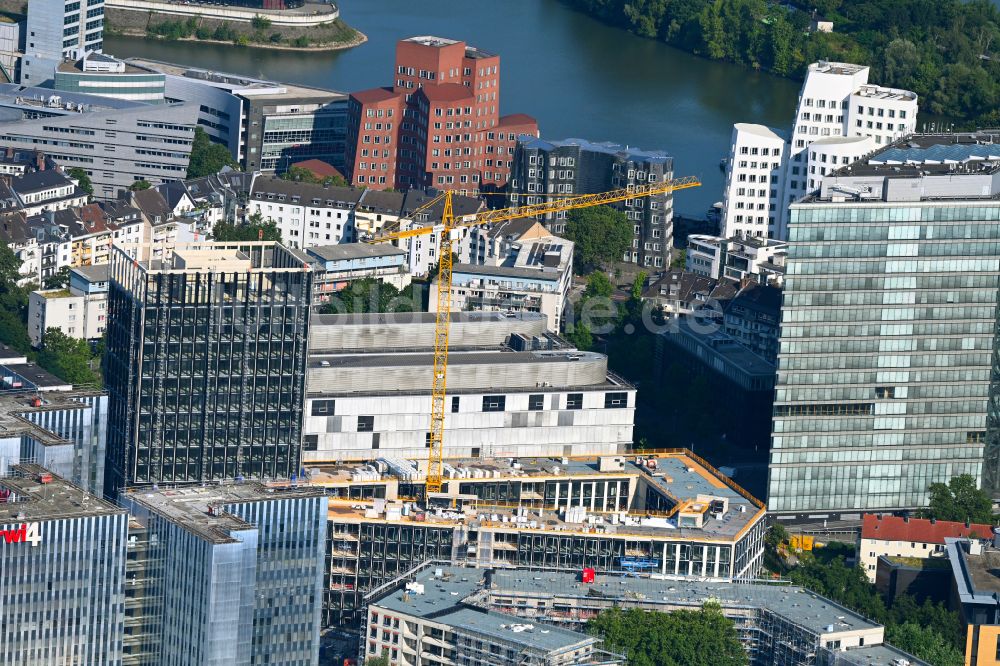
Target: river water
{"type": "Point", "coordinates": [579, 78]}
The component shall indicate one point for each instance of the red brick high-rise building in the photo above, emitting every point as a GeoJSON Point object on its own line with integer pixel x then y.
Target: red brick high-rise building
{"type": "Point", "coordinates": [438, 126]}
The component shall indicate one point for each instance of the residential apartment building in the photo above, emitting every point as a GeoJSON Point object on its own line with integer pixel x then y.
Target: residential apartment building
{"type": "Point", "coordinates": [62, 577]}
{"type": "Point", "coordinates": [672, 515]}
{"type": "Point", "coordinates": [79, 311]}
{"type": "Point", "coordinates": [752, 200]}
{"type": "Point", "coordinates": [545, 171]}
{"type": "Point", "coordinates": [438, 125]}
{"type": "Point", "coordinates": [514, 390]}
{"type": "Point", "coordinates": [738, 258]}
{"type": "Point", "coordinates": [233, 574]}
{"type": "Point", "coordinates": [888, 332]}
{"type": "Point", "coordinates": [228, 415]}
{"type": "Point", "coordinates": [46, 191]}
{"type": "Point", "coordinates": [56, 31]}
{"type": "Point", "coordinates": [306, 214]}
{"type": "Point", "coordinates": [837, 107]}
{"type": "Point", "coordinates": [515, 268]}
{"type": "Point", "coordinates": [335, 267]}
{"type": "Point", "coordinates": [911, 538]}
{"type": "Point", "coordinates": [117, 142]}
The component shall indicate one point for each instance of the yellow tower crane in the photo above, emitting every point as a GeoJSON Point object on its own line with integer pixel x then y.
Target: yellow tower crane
{"type": "Point", "coordinates": [449, 228]}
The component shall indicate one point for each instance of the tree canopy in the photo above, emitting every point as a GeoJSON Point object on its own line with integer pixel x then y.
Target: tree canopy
{"type": "Point", "coordinates": [601, 235]}
{"type": "Point", "coordinates": [944, 50]}
{"type": "Point", "coordinates": [929, 631]}
{"type": "Point", "coordinates": [81, 177]}
{"type": "Point", "coordinates": [961, 500]}
{"type": "Point", "coordinates": [69, 359]}
{"type": "Point", "coordinates": [371, 295]}
{"type": "Point", "coordinates": [303, 175]}
{"type": "Point", "coordinates": [140, 185]}
{"type": "Point", "coordinates": [683, 638]}
{"type": "Point", "coordinates": [253, 229]}
{"type": "Point", "coordinates": [207, 157]}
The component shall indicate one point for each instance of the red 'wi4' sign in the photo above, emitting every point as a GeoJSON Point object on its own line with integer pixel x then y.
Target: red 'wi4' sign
{"type": "Point", "coordinates": [25, 533]}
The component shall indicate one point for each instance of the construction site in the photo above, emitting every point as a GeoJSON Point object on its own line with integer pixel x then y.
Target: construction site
{"type": "Point", "coordinates": [671, 514]}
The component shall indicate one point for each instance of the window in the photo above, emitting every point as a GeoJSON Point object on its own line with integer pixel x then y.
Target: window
{"type": "Point", "coordinates": [494, 403]}
{"type": "Point", "coordinates": [310, 442]}
{"type": "Point", "coordinates": [574, 401]}
{"type": "Point", "coordinates": [617, 399]}
{"type": "Point", "coordinates": [454, 404]}
{"type": "Point", "coordinates": [536, 403]}
{"type": "Point", "coordinates": [366, 423]}
{"type": "Point", "coordinates": [322, 407]}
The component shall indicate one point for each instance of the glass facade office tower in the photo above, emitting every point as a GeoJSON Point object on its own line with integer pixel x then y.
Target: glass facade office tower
{"type": "Point", "coordinates": [888, 331]}
{"type": "Point", "coordinates": [233, 574]}
{"type": "Point", "coordinates": [62, 572]}
{"type": "Point", "coordinates": [205, 363]}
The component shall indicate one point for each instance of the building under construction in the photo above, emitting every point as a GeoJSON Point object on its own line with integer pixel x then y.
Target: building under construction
{"type": "Point", "coordinates": [671, 514]}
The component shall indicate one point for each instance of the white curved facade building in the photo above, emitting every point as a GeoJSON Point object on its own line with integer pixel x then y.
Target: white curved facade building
{"type": "Point", "coordinates": [836, 102]}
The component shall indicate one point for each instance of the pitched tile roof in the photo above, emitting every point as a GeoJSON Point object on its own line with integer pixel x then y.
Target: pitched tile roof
{"type": "Point", "coordinates": [896, 528]}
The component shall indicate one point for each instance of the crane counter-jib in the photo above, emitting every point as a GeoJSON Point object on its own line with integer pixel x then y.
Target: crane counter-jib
{"type": "Point", "coordinates": [442, 321]}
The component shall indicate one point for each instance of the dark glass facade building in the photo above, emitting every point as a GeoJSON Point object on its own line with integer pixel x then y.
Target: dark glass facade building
{"type": "Point", "coordinates": [205, 363]}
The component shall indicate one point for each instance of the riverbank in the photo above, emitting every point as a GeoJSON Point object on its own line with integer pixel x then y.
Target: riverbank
{"type": "Point", "coordinates": [260, 33]}
{"type": "Point", "coordinates": [898, 39]}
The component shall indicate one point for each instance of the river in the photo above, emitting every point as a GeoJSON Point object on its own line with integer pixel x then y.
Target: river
{"type": "Point", "coordinates": [578, 77]}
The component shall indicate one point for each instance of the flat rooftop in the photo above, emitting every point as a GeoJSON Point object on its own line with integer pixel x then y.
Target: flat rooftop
{"type": "Point", "coordinates": [351, 361]}
{"type": "Point", "coordinates": [240, 256]}
{"type": "Point", "coordinates": [629, 152]}
{"type": "Point", "coordinates": [426, 318]}
{"type": "Point", "coordinates": [797, 604]}
{"type": "Point", "coordinates": [443, 598]}
{"type": "Point", "coordinates": [725, 346]}
{"type": "Point", "coordinates": [349, 251]}
{"type": "Point", "coordinates": [33, 374]}
{"type": "Point", "coordinates": [200, 510]}
{"type": "Point", "coordinates": [38, 495]}
{"type": "Point", "coordinates": [239, 84]}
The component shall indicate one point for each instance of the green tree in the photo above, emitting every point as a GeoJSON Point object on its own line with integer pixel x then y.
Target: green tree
{"type": "Point", "coordinates": [260, 22]}
{"type": "Point", "coordinates": [930, 646]}
{"type": "Point", "coordinates": [370, 295]}
{"type": "Point", "coordinates": [601, 235]}
{"type": "Point", "coordinates": [207, 157]}
{"type": "Point", "coordinates": [254, 229]}
{"type": "Point", "coordinates": [378, 661]}
{"type": "Point", "coordinates": [683, 638]}
{"type": "Point", "coordinates": [304, 175]}
{"type": "Point", "coordinates": [58, 281]}
{"type": "Point", "coordinates": [598, 285]}
{"type": "Point", "coordinates": [960, 500]}
{"type": "Point", "coordinates": [81, 177]}
{"type": "Point", "coordinates": [69, 359]}
{"type": "Point", "coordinates": [580, 336]}
{"type": "Point", "coordinates": [140, 185]}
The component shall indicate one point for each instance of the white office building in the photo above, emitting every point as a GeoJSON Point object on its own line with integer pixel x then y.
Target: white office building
{"type": "Point", "coordinates": [513, 390]}
{"type": "Point", "coordinates": [56, 31]}
{"type": "Point", "coordinates": [836, 103]}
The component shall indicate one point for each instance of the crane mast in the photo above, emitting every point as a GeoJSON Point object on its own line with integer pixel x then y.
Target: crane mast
{"type": "Point", "coordinates": [449, 229]}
